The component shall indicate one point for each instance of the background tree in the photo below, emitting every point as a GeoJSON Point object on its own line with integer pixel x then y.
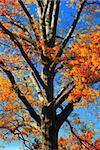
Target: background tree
{"type": "Point", "coordinates": [45, 77]}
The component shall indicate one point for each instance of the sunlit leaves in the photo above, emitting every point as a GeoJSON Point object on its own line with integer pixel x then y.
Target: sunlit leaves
{"type": "Point", "coordinates": [84, 65]}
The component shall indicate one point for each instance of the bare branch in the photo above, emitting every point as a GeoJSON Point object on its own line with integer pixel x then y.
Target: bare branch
{"type": "Point", "coordinates": [30, 109]}
{"type": "Point", "coordinates": [54, 20]}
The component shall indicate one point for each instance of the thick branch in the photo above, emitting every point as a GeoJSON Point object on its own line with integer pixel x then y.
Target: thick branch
{"type": "Point", "coordinates": [62, 98]}
{"type": "Point", "coordinates": [54, 20]}
{"type": "Point", "coordinates": [50, 12]}
{"type": "Point", "coordinates": [33, 114]}
{"type": "Point", "coordinates": [61, 118]}
{"type": "Point", "coordinates": [63, 90]}
{"type": "Point", "coordinates": [65, 113]}
{"type": "Point", "coordinates": [43, 36]}
{"type": "Point", "coordinates": [43, 24]}
{"type": "Point", "coordinates": [12, 37]}
{"type": "Point", "coordinates": [47, 19]}
{"type": "Point", "coordinates": [37, 86]}
{"type": "Point", "coordinates": [63, 94]}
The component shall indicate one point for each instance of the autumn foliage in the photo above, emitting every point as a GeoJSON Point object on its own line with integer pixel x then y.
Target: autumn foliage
{"type": "Point", "coordinates": [44, 77]}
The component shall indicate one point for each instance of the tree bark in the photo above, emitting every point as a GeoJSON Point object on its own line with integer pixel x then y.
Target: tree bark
{"type": "Point", "coordinates": [50, 140]}
{"type": "Point", "coordinates": [49, 130]}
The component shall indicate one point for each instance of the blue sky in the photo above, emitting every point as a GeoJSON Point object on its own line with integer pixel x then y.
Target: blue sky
{"type": "Point", "coordinates": [10, 146]}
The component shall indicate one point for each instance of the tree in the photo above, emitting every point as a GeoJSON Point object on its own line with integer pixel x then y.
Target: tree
{"type": "Point", "coordinates": [33, 57]}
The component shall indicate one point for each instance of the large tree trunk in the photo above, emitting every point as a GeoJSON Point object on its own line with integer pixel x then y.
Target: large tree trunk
{"type": "Point", "coordinates": [48, 119]}
{"type": "Point", "coordinates": [50, 140]}
{"type": "Point", "coordinates": [49, 130]}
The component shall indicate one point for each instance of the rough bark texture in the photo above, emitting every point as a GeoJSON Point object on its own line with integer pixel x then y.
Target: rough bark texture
{"type": "Point", "coordinates": [49, 130]}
